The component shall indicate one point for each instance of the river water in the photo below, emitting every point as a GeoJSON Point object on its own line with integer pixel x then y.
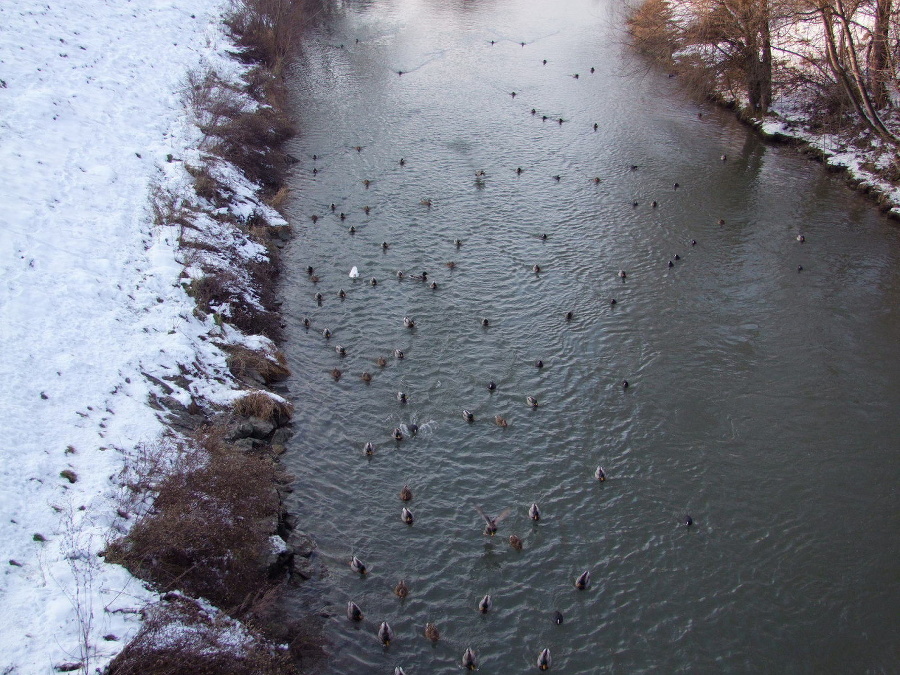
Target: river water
{"type": "Point", "coordinates": [763, 400]}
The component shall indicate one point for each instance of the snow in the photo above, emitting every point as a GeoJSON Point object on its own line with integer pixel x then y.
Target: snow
{"type": "Point", "coordinates": [90, 299]}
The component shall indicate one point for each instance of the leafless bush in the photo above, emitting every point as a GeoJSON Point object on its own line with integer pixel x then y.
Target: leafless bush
{"type": "Point", "coordinates": [265, 406]}
{"type": "Point", "coordinates": [179, 637]}
{"type": "Point", "coordinates": [268, 30]}
{"type": "Point", "coordinates": [208, 530]}
{"type": "Point", "coordinates": [650, 28]}
{"type": "Point", "coordinates": [211, 290]}
{"type": "Point", "coordinates": [168, 208]}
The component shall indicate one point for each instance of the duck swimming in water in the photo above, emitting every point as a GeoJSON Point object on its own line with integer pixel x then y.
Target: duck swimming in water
{"type": "Point", "coordinates": [538, 364]}
{"type": "Point", "coordinates": [318, 297]}
{"type": "Point", "coordinates": [326, 334]}
{"type": "Point", "coordinates": [515, 542]}
{"type": "Point", "coordinates": [487, 602]}
{"type": "Point", "coordinates": [801, 238]}
{"type": "Point", "coordinates": [536, 269]}
{"type": "Point", "coordinates": [558, 618]}
{"type": "Point", "coordinates": [600, 474]}
{"type": "Point", "coordinates": [381, 362]}
{"type": "Point", "coordinates": [314, 218]}
{"type": "Point", "coordinates": [583, 581]}
{"type": "Point", "coordinates": [458, 243]}
{"type": "Point", "coordinates": [306, 322]}
{"type": "Point", "coordinates": [398, 354]}
{"type": "Point", "coordinates": [341, 351]}
{"type": "Point", "coordinates": [366, 377]}
{"type": "Point", "coordinates": [354, 272]}
{"type": "Point", "coordinates": [398, 670]}
{"type": "Point", "coordinates": [357, 565]}
{"type": "Point", "coordinates": [366, 209]}
{"type": "Point", "coordinates": [492, 386]}
{"type": "Point", "coordinates": [469, 659]}
{"type": "Point", "coordinates": [490, 528]}
{"type": "Point", "coordinates": [373, 281]}
{"type": "Point", "coordinates": [623, 274]}
{"type": "Point", "coordinates": [369, 449]}
{"type": "Point", "coordinates": [336, 374]}
{"type": "Point", "coordinates": [569, 316]}
{"type": "Point", "coordinates": [433, 286]}
{"type": "Point", "coordinates": [485, 323]}
{"type": "Point", "coordinates": [354, 613]}
{"type": "Point", "coordinates": [401, 396]}
{"type": "Point", "coordinates": [413, 429]}
{"type": "Point", "coordinates": [342, 294]}
{"type": "Point", "coordinates": [534, 512]}
{"type": "Point", "coordinates": [468, 416]}
{"type": "Point", "coordinates": [688, 521]}
{"type": "Point", "coordinates": [544, 660]}
{"type": "Point", "coordinates": [400, 274]}
{"type": "Point", "coordinates": [532, 401]}
{"type": "Point", "coordinates": [397, 434]}
{"type": "Point", "coordinates": [385, 246]}
{"type": "Point", "coordinates": [405, 493]}
{"type": "Point", "coordinates": [450, 265]}
{"type": "Point", "coordinates": [385, 634]}
{"type": "Point", "coordinates": [432, 632]}
{"type": "Point", "coordinates": [408, 322]}
{"type": "Point", "coordinates": [406, 516]}
{"type": "Point", "coordinates": [500, 421]}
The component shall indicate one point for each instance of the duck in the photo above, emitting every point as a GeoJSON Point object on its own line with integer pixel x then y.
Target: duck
{"type": "Point", "coordinates": [398, 354]}
{"type": "Point", "coordinates": [500, 421]}
{"type": "Point", "coordinates": [544, 660]}
{"type": "Point", "coordinates": [450, 265]}
{"type": "Point", "coordinates": [724, 158]}
{"type": "Point", "coordinates": [413, 428]}
{"type": "Point", "coordinates": [492, 386]}
{"type": "Point", "coordinates": [408, 322]}
{"type": "Point", "coordinates": [671, 264]}
{"type": "Point", "coordinates": [596, 180]}
{"type": "Point", "coordinates": [487, 602]}
{"type": "Point", "coordinates": [513, 94]}
{"type": "Point", "coordinates": [402, 161]}
{"type": "Point", "coordinates": [560, 120]}
{"type": "Point", "coordinates": [432, 632]}
{"type": "Point", "coordinates": [426, 202]}
{"type": "Point", "coordinates": [544, 118]}
{"type": "Point", "coordinates": [583, 581]}
{"type": "Point", "coordinates": [354, 272]}
{"type": "Point", "coordinates": [468, 416]}
{"type": "Point", "coordinates": [309, 271]}
{"type": "Point", "coordinates": [536, 269]}
{"type": "Point", "coordinates": [515, 542]}
{"type": "Point", "coordinates": [369, 449]}
{"type": "Point", "coordinates": [314, 278]}
{"type": "Point", "coordinates": [397, 434]}
{"type": "Point", "coordinates": [341, 350]}
{"type": "Point", "coordinates": [532, 401]}
{"type": "Point", "coordinates": [366, 209]}
{"type": "Point", "coordinates": [354, 613]}
{"type": "Point", "coordinates": [538, 364]}
{"type": "Point", "coordinates": [569, 316]}
{"type": "Point", "coordinates": [558, 618]}
{"type": "Point", "coordinates": [397, 669]}
{"type": "Point", "coordinates": [367, 182]}
{"type": "Point", "coordinates": [677, 257]}
{"type": "Point", "coordinates": [592, 70]}
{"type": "Point", "coordinates": [545, 62]}
{"type": "Point", "coordinates": [400, 274]}
{"type": "Point", "coordinates": [357, 565]}
{"type": "Point", "coordinates": [654, 204]}
{"type": "Point", "coordinates": [373, 281]}
{"type": "Point", "coordinates": [519, 171]}
{"type": "Point", "coordinates": [318, 297]}
{"type": "Point", "coordinates": [433, 285]}
{"type": "Point", "coordinates": [533, 111]}
{"type": "Point", "coordinates": [544, 236]}
{"type": "Point", "coordinates": [557, 177]}
{"type": "Point", "coordinates": [306, 322]}
{"type": "Point", "coordinates": [401, 397]}
{"type": "Point", "coordinates": [613, 301]}
{"type": "Point", "coordinates": [600, 474]}
{"type": "Point", "coordinates": [469, 659]}
{"type": "Point", "coordinates": [799, 268]}
{"type": "Point", "coordinates": [634, 167]}
{"type": "Point", "coordinates": [384, 246]}
{"type": "Point", "coordinates": [534, 512]}
{"type": "Point", "coordinates": [457, 243]}
{"type": "Point", "coordinates": [336, 374]}
{"type": "Point", "coordinates": [333, 207]}
{"type": "Point", "coordinates": [485, 322]}
{"type": "Point", "coordinates": [381, 362]}
{"type": "Point", "coordinates": [596, 126]}
{"type": "Point", "coordinates": [342, 294]}
{"type": "Point", "coordinates": [343, 216]}
{"type": "Point", "coordinates": [385, 633]}
{"type": "Point", "coordinates": [406, 494]}
{"type": "Point", "coordinates": [688, 521]}
{"type": "Point", "coordinates": [721, 221]}
{"type": "Point", "coordinates": [358, 148]}
{"type": "Point", "coordinates": [623, 274]}
{"type": "Point", "coordinates": [366, 377]}
{"type": "Point", "coordinates": [326, 333]}
{"type": "Point", "coordinates": [406, 515]}
{"type": "Point", "coordinates": [801, 238]}
{"type": "Point", "coordinates": [693, 242]}
{"type": "Point", "coordinates": [401, 590]}
{"type": "Point", "coordinates": [675, 186]}
{"type": "Point", "coordinates": [624, 384]}
{"type": "Point", "coordinates": [314, 218]}
{"type": "Point", "coordinates": [490, 528]}
{"type": "Point", "coordinates": [634, 204]}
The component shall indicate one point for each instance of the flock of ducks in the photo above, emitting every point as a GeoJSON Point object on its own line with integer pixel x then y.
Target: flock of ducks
{"type": "Point", "coordinates": [354, 613]}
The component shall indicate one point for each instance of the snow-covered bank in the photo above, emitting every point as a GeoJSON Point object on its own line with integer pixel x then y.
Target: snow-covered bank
{"type": "Point", "coordinates": [92, 117]}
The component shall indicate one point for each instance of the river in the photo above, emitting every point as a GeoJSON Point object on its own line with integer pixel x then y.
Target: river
{"type": "Point", "coordinates": [763, 400]}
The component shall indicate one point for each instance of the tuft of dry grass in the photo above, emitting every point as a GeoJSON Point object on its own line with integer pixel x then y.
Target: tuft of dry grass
{"type": "Point", "coordinates": [245, 363]}
{"type": "Point", "coordinates": [264, 406]}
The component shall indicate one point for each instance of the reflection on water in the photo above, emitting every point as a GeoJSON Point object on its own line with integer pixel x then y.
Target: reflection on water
{"type": "Point", "coordinates": [761, 400]}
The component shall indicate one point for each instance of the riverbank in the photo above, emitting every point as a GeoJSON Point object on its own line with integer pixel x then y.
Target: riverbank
{"type": "Point", "coordinates": [139, 255]}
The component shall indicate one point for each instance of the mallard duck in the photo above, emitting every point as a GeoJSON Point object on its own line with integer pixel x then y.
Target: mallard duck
{"type": "Point", "coordinates": [724, 158]}
{"type": "Point", "coordinates": [468, 416]}
{"type": "Point", "coordinates": [490, 527]}
{"type": "Point", "coordinates": [358, 148]}
{"type": "Point", "coordinates": [492, 386]}
{"type": "Point", "coordinates": [624, 384]}
{"type": "Point", "coordinates": [675, 186]}
{"type": "Point", "coordinates": [385, 245]}
{"type": "Point", "coordinates": [515, 542]}
{"type": "Point", "coordinates": [309, 271]}
{"type": "Point", "coordinates": [469, 660]}
{"type": "Point", "coordinates": [721, 221]}
{"type": "Point", "coordinates": [357, 565]}
{"type": "Point", "coordinates": [398, 354]}
{"type": "Point", "coordinates": [367, 183]}
{"type": "Point", "coordinates": [532, 401]}
{"type": "Point", "coordinates": [500, 421]}
{"type": "Point", "coordinates": [677, 257]}
{"type": "Point", "coordinates": [583, 580]}
{"type": "Point", "coordinates": [333, 207]}
{"type": "Point", "coordinates": [596, 126]}
{"type": "Point", "coordinates": [318, 297]}
{"type": "Point", "coordinates": [306, 322]}
{"type": "Point", "coordinates": [354, 613]}
{"type": "Point", "coordinates": [623, 274]}
{"type": "Point", "coordinates": [688, 521]}
{"type": "Point", "coordinates": [600, 474]}
{"type": "Point", "coordinates": [400, 274]}
{"type": "Point", "coordinates": [397, 669]}
{"type": "Point", "coordinates": [534, 512]}
{"type": "Point", "coordinates": [402, 161]}
{"type": "Point", "coordinates": [544, 118]}
{"type": "Point", "coordinates": [405, 493]}
{"type": "Point", "coordinates": [485, 323]}
{"type": "Point", "coordinates": [519, 170]}
{"type": "Point", "coordinates": [693, 242]}
{"type": "Point", "coordinates": [385, 634]}
{"type": "Point", "coordinates": [373, 281]}
{"type": "Point", "coordinates": [596, 180]}
{"type": "Point", "coordinates": [352, 230]}
{"type": "Point", "coordinates": [545, 62]}
{"type": "Point", "coordinates": [413, 428]}
{"type": "Point", "coordinates": [538, 364]}
{"type": "Point", "coordinates": [533, 111]}
{"type": "Point", "coordinates": [557, 177]}
{"type": "Point", "coordinates": [433, 286]}
{"type": "Point", "coordinates": [513, 94]}
{"type": "Point", "coordinates": [397, 434]}
{"type": "Point", "coordinates": [536, 269]}
{"type": "Point", "coordinates": [451, 265]}
{"type": "Point", "coordinates": [558, 618]}
{"type": "Point", "coordinates": [671, 264]}
{"type": "Point", "coordinates": [407, 516]}
{"type": "Point", "coordinates": [336, 374]}
{"type": "Point", "coordinates": [342, 294]}
{"type": "Point", "coordinates": [634, 204]}
{"type": "Point", "coordinates": [326, 334]}
{"type": "Point", "coordinates": [569, 316]}
{"type": "Point", "coordinates": [341, 351]}
{"type": "Point", "coordinates": [314, 218]}
{"type": "Point", "coordinates": [366, 209]}
{"type": "Point", "coordinates": [369, 449]}
{"type": "Point", "coordinates": [381, 362]}
{"type": "Point", "coordinates": [799, 268]}
{"type": "Point", "coordinates": [314, 278]}
{"type": "Point", "coordinates": [401, 590]}
{"type": "Point", "coordinates": [612, 302]}
{"type": "Point", "coordinates": [458, 243]}
{"type": "Point", "coordinates": [801, 238]}
{"type": "Point", "coordinates": [426, 202]}
{"type": "Point", "coordinates": [487, 602]}
{"type": "Point", "coordinates": [575, 76]}
{"type": "Point", "coordinates": [432, 632]}
{"type": "Point", "coordinates": [408, 322]}
{"type": "Point", "coordinates": [544, 660]}
{"type": "Point", "coordinates": [654, 204]}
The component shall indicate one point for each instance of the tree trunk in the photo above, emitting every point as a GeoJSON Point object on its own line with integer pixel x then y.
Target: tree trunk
{"type": "Point", "coordinates": [879, 64]}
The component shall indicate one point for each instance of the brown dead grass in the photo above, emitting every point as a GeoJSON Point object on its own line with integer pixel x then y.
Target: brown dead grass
{"type": "Point", "coordinates": [244, 362]}
{"type": "Point", "coordinates": [263, 405]}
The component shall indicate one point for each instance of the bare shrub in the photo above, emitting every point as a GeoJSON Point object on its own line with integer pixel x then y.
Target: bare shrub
{"type": "Point", "coordinates": [263, 405]}
{"type": "Point", "coordinates": [650, 28]}
{"type": "Point", "coordinates": [244, 362]}
{"type": "Point", "coordinates": [268, 30]}
{"type": "Point", "coordinates": [179, 637]}
{"type": "Point", "coordinates": [168, 207]}
{"type": "Point", "coordinates": [212, 289]}
{"type": "Point", "coordinates": [208, 530]}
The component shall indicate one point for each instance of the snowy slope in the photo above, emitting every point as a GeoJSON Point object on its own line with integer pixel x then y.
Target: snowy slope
{"type": "Point", "coordinates": [89, 299]}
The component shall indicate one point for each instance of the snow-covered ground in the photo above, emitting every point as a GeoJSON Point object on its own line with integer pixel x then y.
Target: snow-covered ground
{"type": "Point", "coordinates": [90, 107]}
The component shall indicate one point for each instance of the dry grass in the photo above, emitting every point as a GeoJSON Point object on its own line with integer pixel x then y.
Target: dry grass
{"type": "Point", "coordinates": [244, 362]}
{"type": "Point", "coordinates": [207, 532]}
{"type": "Point", "coordinates": [178, 637]}
{"type": "Point", "coordinates": [264, 406]}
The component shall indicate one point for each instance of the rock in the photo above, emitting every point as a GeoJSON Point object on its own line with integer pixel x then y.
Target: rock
{"type": "Point", "coordinates": [245, 444]}
{"type": "Point", "coordinates": [260, 428]}
{"type": "Point", "coordinates": [303, 568]}
{"type": "Point", "coordinates": [280, 558]}
{"type": "Point", "coordinates": [282, 435]}
{"type": "Point", "coordinates": [301, 543]}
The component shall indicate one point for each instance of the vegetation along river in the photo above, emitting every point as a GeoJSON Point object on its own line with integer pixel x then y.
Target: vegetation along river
{"type": "Point", "coordinates": [762, 401]}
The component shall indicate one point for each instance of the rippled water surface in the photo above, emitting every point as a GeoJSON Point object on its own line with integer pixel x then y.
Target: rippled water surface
{"type": "Point", "coordinates": [763, 401]}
